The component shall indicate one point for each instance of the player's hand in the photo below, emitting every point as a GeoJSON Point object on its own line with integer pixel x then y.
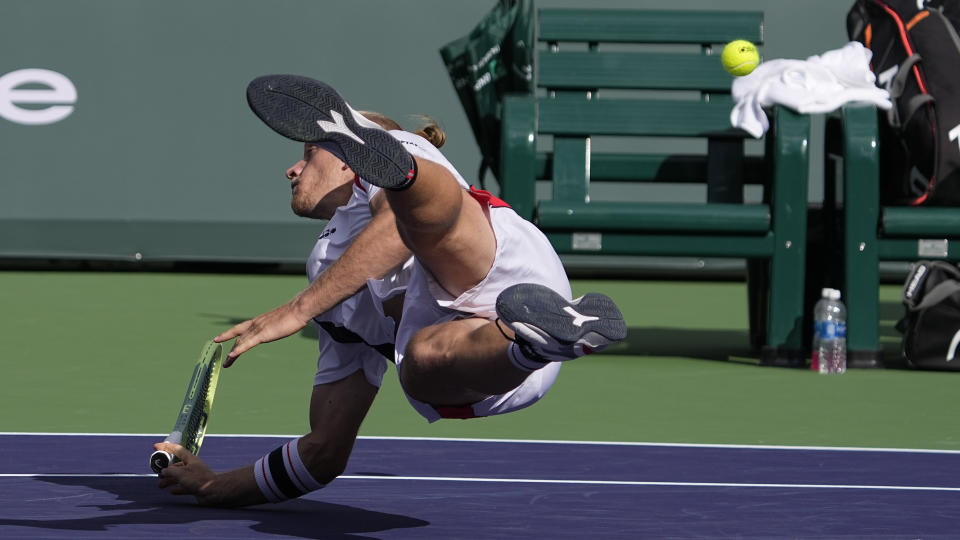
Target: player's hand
{"type": "Point", "coordinates": [275, 324]}
{"type": "Point", "coordinates": [189, 476]}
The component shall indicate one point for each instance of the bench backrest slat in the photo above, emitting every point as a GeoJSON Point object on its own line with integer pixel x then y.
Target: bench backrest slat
{"type": "Point", "coordinates": [654, 26]}
{"type": "Point", "coordinates": [628, 117]}
{"type": "Point", "coordinates": [645, 71]}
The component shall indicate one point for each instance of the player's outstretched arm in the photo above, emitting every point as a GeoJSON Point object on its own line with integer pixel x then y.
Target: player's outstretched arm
{"type": "Point", "coordinates": [191, 476]}
{"type": "Point", "coordinates": [302, 465]}
{"type": "Point", "coordinates": [376, 250]}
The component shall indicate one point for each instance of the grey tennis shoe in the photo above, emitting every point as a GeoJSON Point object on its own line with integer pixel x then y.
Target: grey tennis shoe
{"type": "Point", "coordinates": [307, 110]}
{"type": "Point", "coordinates": [549, 328]}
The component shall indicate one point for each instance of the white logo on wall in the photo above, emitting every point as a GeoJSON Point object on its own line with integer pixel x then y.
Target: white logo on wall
{"type": "Point", "coordinates": [50, 96]}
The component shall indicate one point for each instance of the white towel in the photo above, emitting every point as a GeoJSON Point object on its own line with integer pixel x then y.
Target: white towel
{"type": "Point", "coordinates": [818, 84]}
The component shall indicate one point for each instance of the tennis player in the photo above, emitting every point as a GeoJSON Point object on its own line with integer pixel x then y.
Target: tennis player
{"type": "Point", "coordinates": [487, 314]}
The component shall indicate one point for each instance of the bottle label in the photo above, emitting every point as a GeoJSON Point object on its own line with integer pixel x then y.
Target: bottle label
{"type": "Point", "coordinates": [831, 329]}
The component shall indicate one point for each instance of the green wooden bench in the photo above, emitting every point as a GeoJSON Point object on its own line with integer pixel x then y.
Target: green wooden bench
{"type": "Point", "coordinates": [874, 232]}
{"type": "Point", "coordinates": [620, 75]}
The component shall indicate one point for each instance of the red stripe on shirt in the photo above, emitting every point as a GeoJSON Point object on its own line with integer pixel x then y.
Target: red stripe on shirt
{"type": "Point", "coordinates": [484, 197]}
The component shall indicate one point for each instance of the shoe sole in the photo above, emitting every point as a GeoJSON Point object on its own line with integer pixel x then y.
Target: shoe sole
{"type": "Point", "coordinates": [307, 110]}
{"type": "Point", "coordinates": [593, 318]}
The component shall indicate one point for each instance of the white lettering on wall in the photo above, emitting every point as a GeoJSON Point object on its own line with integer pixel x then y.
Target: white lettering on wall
{"type": "Point", "coordinates": [59, 95]}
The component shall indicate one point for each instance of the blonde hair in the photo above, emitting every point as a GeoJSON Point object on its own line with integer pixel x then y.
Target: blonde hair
{"type": "Point", "coordinates": [431, 131]}
{"type": "Point", "coordinates": [429, 128]}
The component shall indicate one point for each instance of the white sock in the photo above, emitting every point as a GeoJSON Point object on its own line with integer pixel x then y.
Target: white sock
{"type": "Point", "coordinates": [518, 359]}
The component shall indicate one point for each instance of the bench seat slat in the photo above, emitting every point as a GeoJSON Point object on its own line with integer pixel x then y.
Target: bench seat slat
{"type": "Point", "coordinates": [615, 243]}
{"type": "Point", "coordinates": [921, 222]}
{"type": "Point", "coordinates": [908, 249]}
{"type": "Point", "coordinates": [649, 26]}
{"type": "Point", "coordinates": [714, 218]}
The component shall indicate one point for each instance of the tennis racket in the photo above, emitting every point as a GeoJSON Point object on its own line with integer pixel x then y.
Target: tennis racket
{"type": "Point", "coordinates": [197, 403]}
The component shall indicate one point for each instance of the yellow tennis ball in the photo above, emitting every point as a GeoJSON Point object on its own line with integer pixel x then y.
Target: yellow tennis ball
{"type": "Point", "coordinates": [740, 57]}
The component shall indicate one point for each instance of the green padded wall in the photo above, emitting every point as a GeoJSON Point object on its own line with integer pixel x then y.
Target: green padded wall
{"type": "Point", "coordinates": [125, 135]}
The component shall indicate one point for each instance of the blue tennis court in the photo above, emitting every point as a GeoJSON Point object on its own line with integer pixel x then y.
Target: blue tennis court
{"type": "Point", "coordinates": [98, 486]}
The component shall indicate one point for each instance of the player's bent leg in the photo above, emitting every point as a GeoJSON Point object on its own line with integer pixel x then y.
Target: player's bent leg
{"type": "Point", "coordinates": [550, 328]}
{"type": "Point", "coordinates": [309, 463]}
{"type": "Point", "coordinates": [458, 257]}
{"type": "Point", "coordinates": [458, 362]}
{"type": "Point", "coordinates": [432, 206]}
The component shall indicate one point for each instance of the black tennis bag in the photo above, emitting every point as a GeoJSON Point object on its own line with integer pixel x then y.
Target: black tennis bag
{"type": "Point", "coordinates": [931, 324]}
{"type": "Point", "coordinates": [916, 57]}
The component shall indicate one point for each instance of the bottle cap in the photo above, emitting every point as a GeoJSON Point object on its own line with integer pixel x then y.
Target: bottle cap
{"type": "Point", "coordinates": [832, 294]}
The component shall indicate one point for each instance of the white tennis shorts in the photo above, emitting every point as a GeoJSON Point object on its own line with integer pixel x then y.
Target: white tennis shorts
{"type": "Point", "coordinates": [524, 255]}
{"type": "Point", "coordinates": [359, 324]}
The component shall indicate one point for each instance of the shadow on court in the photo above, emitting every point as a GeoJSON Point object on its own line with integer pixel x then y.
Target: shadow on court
{"type": "Point", "coordinates": [734, 345]}
{"type": "Point", "coordinates": [141, 505]}
{"type": "Point", "coordinates": [696, 343]}
{"type": "Point", "coordinates": [717, 345]}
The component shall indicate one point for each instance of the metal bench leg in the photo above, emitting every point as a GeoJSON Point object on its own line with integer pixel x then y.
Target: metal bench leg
{"type": "Point", "coordinates": [861, 249]}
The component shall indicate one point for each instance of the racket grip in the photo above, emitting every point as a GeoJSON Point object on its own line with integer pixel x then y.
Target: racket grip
{"type": "Point", "coordinates": [160, 460]}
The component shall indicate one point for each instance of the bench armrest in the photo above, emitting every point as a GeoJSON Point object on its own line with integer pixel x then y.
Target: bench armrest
{"type": "Point", "coordinates": [518, 154]}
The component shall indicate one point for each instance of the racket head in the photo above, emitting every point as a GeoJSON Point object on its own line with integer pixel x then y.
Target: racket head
{"type": "Point", "coordinates": [191, 424]}
{"type": "Point", "coordinates": [200, 394]}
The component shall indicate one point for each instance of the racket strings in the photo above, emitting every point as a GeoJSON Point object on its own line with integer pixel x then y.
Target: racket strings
{"type": "Point", "coordinates": [193, 433]}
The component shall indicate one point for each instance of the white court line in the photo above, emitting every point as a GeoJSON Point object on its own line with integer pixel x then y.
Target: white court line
{"type": "Point", "coordinates": [529, 441]}
{"type": "Point", "coordinates": [67, 475]}
{"type": "Point", "coordinates": [546, 481]}
{"type": "Point", "coordinates": [638, 483]}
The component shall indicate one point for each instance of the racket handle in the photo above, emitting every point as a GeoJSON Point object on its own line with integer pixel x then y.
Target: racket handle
{"type": "Point", "coordinates": [160, 460]}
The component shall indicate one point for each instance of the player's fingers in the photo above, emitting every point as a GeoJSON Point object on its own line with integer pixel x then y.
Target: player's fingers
{"type": "Point", "coordinates": [250, 339]}
{"type": "Point", "coordinates": [168, 447]}
{"type": "Point", "coordinates": [235, 352]}
{"type": "Point", "coordinates": [233, 332]}
{"type": "Point", "coordinates": [178, 451]}
{"type": "Point", "coordinates": [167, 480]}
{"type": "Point", "coordinates": [170, 476]}
{"type": "Point", "coordinates": [172, 480]}
{"type": "Point", "coordinates": [228, 360]}
{"type": "Point", "coordinates": [182, 454]}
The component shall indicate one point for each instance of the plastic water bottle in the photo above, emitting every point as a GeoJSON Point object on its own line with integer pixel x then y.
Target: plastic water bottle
{"type": "Point", "coordinates": [829, 334]}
